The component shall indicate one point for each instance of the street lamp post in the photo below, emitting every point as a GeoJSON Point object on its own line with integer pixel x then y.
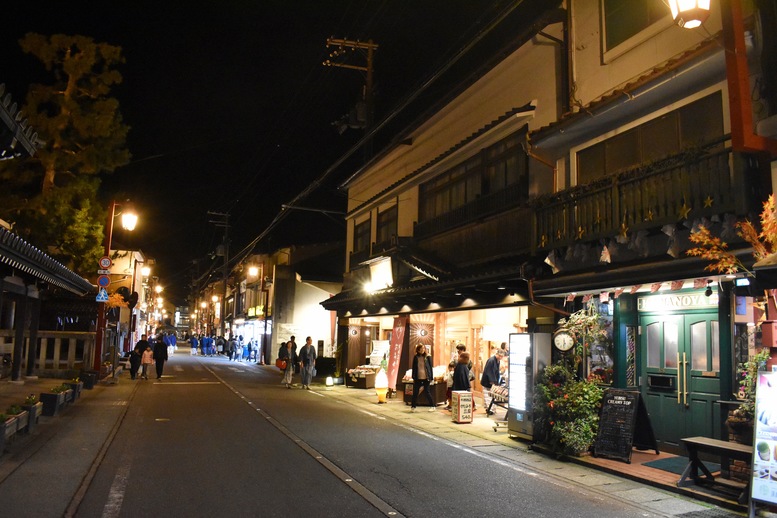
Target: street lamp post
{"type": "Point", "coordinates": [128, 221]}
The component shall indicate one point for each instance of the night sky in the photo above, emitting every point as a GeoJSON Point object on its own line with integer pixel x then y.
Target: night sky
{"type": "Point", "coordinates": [230, 108]}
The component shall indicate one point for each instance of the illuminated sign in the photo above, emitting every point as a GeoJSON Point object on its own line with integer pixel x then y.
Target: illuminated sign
{"type": "Point", "coordinates": [677, 301]}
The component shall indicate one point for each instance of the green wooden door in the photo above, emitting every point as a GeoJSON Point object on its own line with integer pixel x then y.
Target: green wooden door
{"type": "Point", "coordinates": [680, 357]}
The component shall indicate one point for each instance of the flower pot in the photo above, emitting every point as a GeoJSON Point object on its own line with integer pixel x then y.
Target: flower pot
{"type": "Point", "coordinates": [53, 403]}
{"type": "Point", "coordinates": [70, 397]}
{"type": "Point", "coordinates": [35, 412]}
{"type": "Point", "coordinates": [90, 378]}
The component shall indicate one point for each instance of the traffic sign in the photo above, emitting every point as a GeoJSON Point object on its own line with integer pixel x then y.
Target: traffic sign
{"type": "Point", "coordinates": [103, 280]}
{"type": "Point", "coordinates": [103, 272]}
{"type": "Point", "coordinates": [102, 296]}
{"type": "Point", "coordinates": [105, 262]}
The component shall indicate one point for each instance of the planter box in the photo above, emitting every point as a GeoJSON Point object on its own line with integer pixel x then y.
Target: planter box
{"type": "Point", "coordinates": [22, 422]}
{"type": "Point", "coordinates": [76, 387]}
{"type": "Point", "coordinates": [70, 397]}
{"type": "Point", "coordinates": [35, 411]}
{"type": "Point", "coordinates": [7, 430]}
{"type": "Point", "coordinates": [52, 403]}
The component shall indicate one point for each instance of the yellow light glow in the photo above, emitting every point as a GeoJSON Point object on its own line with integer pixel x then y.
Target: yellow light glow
{"type": "Point", "coordinates": [689, 14]}
{"type": "Point", "coordinates": [253, 271]}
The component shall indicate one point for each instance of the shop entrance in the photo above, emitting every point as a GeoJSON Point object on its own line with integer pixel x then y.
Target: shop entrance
{"type": "Point", "coordinates": [680, 375]}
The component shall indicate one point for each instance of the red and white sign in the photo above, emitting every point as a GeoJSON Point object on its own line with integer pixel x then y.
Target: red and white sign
{"type": "Point", "coordinates": [103, 280]}
{"type": "Point", "coordinates": [105, 262]}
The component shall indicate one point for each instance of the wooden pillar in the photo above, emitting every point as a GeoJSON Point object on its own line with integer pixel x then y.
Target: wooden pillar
{"type": "Point", "coordinates": [32, 351]}
{"type": "Point", "coordinates": [20, 321]}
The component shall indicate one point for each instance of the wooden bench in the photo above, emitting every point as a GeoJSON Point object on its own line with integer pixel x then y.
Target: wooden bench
{"type": "Point", "coordinates": [724, 449]}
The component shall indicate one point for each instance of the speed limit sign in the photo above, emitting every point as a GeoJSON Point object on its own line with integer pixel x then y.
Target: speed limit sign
{"type": "Point", "coordinates": [105, 262]}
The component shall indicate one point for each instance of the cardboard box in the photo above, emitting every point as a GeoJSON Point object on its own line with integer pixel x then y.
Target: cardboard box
{"type": "Point", "coordinates": [461, 406]}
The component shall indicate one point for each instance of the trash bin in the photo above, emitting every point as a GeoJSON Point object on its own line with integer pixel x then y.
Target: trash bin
{"type": "Point", "coordinates": [89, 378]}
{"type": "Point", "coordinates": [461, 406]}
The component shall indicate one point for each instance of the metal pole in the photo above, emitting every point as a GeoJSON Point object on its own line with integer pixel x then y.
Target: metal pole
{"type": "Point", "coordinates": [99, 334]}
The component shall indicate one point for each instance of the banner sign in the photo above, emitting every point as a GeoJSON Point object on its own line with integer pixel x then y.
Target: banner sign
{"type": "Point", "coordinates": [395, 352]}
{"type": "Point", "coordinates": [764, 467]}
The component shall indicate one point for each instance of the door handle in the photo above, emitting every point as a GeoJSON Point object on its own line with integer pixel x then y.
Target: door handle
{"type": "Point", "coordinates": [679, 380]}
{"type": "Point", "coordinates": [685, 380]}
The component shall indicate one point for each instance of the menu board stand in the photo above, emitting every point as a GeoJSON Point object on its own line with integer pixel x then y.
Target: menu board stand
{"type": "Point", "coordinates": [623, 412]}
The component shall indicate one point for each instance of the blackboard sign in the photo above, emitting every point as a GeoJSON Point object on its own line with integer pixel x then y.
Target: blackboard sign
{"type": "Point", "coordinates": [623, 411]}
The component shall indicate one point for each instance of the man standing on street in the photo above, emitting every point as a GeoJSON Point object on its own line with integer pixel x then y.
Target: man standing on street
{"type": "Point", "coordinates": [490, 377]}
{"type": "Point", "coordinates": [307, 357]}
{"type": "Point", "coordinates": [160, 355]}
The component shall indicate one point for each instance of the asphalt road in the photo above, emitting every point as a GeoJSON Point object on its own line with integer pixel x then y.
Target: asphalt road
{"type": "Point", "coordinates": [214, 438]}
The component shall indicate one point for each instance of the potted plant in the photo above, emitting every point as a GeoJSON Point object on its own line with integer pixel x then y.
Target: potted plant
{"type": "Point", "coordinates": [34, 408]}
{"type": "Point", "coordinates": [740, 420]}
{"type": "Point", "coordinates": [54, 400]}
{"type": "Point", "coordinates": [22, 417]}
{"type": "Point", "coordinates": [566, 410]}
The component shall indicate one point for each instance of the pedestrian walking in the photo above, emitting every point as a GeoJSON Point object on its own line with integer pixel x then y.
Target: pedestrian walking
{"type": "Point", "coordinates": [231, 345]}
{"type": "Point", "coordinates": [422, 376]}
{"type": "Point", "coordinates": [136, 355]}
{"type": "Point", "coordinates": [194, 343]}
{"type": "Point", "coordinates": [307, 357]}
{"type": "Point", "coordinates": [146, 361]}
{"type": "Point", "coordinates": [160, 357]}
{"type": "Point", "coordinates": [285, 354]}
{"type": "Point", "coordinates": [294, 353]}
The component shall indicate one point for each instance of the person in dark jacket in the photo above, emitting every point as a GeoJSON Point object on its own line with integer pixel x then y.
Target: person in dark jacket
{"type": "Point", "coordinates": [136, 355]}
{"type": "Point", "coordinates": [490, 377]}
{"type": "Point", "coordinates": [160, 355]}
{"type": "Point", "coordinates": [461, 373]}
{"type": "Point", "coordinates": [422, 376]}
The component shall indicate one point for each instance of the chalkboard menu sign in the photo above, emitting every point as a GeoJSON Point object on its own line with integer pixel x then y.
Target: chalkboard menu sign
{"type": "Point", "coordinates": [622, 412]}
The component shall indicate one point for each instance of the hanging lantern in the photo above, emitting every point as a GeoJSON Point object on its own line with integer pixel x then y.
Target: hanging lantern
{"type": "Point", "coordinates": [689, 13]}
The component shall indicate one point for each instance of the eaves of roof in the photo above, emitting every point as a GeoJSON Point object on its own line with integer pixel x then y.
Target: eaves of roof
{"type": "Point", "coordinates": [571, 118]}
{"type": "Point", "coordinates": [22, 256]}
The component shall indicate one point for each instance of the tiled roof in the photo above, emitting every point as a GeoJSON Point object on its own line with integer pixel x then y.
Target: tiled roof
{"type": "Point", "coordinates": [20, 255]}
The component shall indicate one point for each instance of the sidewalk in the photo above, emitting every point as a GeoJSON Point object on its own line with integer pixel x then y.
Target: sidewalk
{"type": "Point", "coordinates": [612, 480]}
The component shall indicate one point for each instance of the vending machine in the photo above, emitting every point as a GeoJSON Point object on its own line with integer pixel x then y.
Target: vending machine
{"type": "Point", "coordinates": [529, 355]}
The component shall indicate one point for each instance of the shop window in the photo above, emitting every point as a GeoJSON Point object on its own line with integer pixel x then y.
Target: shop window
{"type": "Point", "coordinates": [693, 125]}
{"type": "Point", "coordinates": [387, 224]}
{"type": "Point", "coordinates": [623, 19]}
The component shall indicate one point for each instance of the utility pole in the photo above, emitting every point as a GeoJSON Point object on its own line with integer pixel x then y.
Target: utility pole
{"type": "Point", "coordinates": [222, 220]}
{"type": "Point", "coordinates": [342, 48]}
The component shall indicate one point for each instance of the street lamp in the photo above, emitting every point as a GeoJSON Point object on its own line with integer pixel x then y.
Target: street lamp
{"type": "Point", "coordinates": [689, 13]}
{"type": "Point", "coordinates": [128, 221]}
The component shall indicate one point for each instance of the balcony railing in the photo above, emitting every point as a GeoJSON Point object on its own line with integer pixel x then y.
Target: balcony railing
{"type": "Point", "coordinates": [670, 191]}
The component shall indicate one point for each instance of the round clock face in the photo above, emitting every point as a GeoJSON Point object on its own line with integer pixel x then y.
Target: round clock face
{"type": "Point", "coordinates": [563, 340]}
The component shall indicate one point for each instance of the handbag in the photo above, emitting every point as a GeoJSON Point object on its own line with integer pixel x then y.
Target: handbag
{"type": "Point", "coordinates": [281, 364]}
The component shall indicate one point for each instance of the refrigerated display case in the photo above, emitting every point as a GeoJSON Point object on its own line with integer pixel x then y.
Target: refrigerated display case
{"type": "Point", "coordinates": [529, 354]}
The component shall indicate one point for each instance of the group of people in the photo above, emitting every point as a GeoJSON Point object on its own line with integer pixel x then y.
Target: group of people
{"type": "Point", "coordinates": [144, 355]}
{"type": "Point", "coordinates": [303, 362]}
{"type": "Point", "coordinates": [235, 348]}
{"type": "Point", "coordinates": [458, 377]}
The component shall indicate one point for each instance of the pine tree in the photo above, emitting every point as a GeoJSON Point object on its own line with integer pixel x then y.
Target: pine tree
{"type": "Point", "coordinates": [52, 197]}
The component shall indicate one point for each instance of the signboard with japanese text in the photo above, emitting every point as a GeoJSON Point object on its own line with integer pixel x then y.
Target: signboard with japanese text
{"type": "Point", "coordinates": [461, 406]}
